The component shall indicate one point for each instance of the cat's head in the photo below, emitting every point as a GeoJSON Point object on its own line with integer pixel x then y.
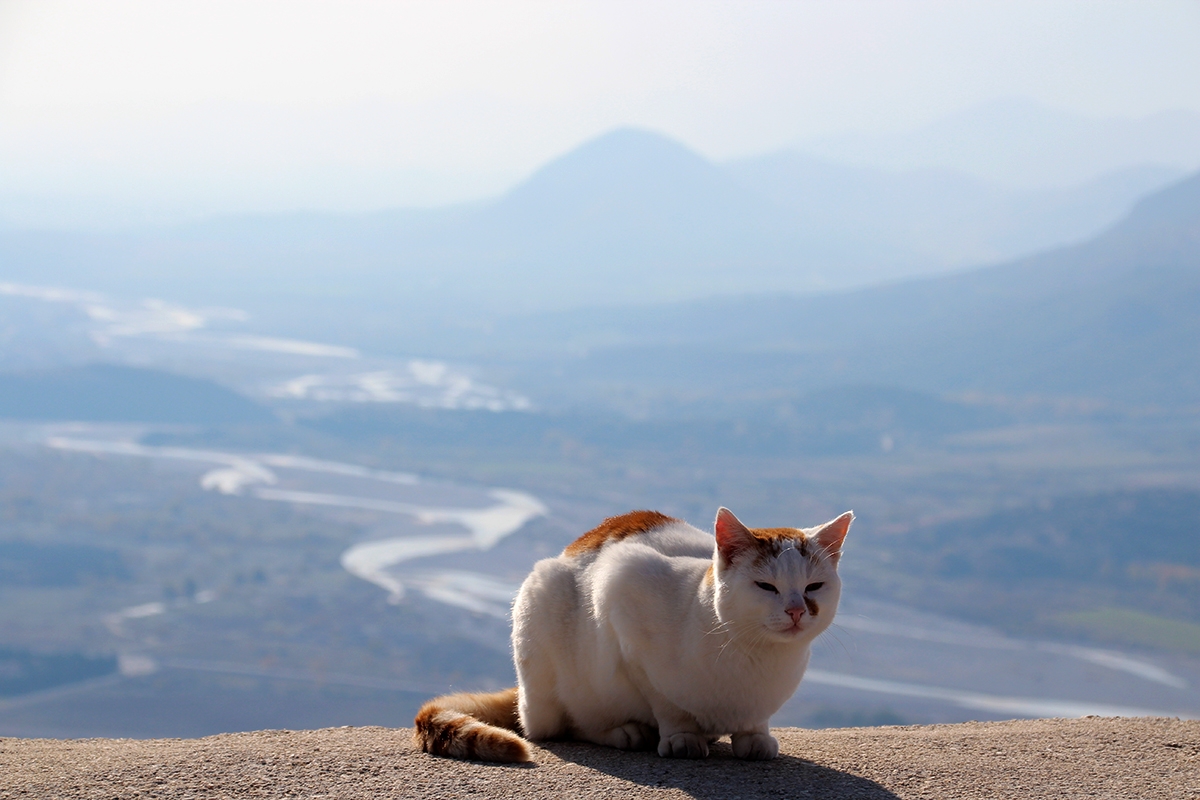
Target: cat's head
{"type": "Point", "coordinates": [782, 582]}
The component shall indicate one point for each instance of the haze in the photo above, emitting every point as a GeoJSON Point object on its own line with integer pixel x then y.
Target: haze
{"type": "Point", "coordinates": [321, 323]}
{"type": "Point", "coordinates": [121, 113]}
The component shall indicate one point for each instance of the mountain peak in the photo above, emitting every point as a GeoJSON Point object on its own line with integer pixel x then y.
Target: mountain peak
{"type": "Point", "coordinates": [631, 183]}
{"type": "Point", "coordinates": [627, 142]}
{"type": "Point", "coordinates": [623, 157]}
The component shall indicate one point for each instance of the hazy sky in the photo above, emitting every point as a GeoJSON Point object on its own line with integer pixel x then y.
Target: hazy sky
{"type": "Point", "coordinates": [354, 104]}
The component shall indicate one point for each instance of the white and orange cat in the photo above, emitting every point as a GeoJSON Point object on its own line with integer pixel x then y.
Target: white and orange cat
{"type": "Point", "coordinates": [646, 633]}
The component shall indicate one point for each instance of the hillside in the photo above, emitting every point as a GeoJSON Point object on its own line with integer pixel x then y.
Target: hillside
{"type": "Point", "coordinates": [1053, 758]}
{"type": "Point", "coordinates": [937, 219]}
{"type": "Point", "coordinates": [1120, 568]}
{"type": "Point", "coordinates": [1113, 318]}
{"type": "Point", "coordinates": [111, 393]}
{"type": "Point", "coordinates": [629, 216]}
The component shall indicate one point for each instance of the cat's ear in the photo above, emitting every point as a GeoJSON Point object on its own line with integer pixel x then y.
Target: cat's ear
{"type": "Point", "coordinates": [732, 536]}
{"type": "Point", "coordinates": [829, 537]}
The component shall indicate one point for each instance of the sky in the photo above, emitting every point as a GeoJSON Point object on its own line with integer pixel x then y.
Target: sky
{"type": "Point", "coordinates": [226, 106]}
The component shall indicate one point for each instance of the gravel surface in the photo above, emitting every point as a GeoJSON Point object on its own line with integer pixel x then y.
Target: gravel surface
{"type": "Point", "coordinates": [1092, 757]}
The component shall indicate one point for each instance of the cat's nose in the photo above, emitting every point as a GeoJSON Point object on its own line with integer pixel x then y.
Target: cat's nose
{"type": "Point", "coordinates": [796, 612]}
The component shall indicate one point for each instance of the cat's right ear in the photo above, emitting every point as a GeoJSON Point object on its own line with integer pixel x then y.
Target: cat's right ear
{"type": "Point", "coordinates": [732, 536]}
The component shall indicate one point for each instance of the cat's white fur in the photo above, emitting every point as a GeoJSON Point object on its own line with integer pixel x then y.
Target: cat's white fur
{"type": "Point", "coordinates": [638, 644]}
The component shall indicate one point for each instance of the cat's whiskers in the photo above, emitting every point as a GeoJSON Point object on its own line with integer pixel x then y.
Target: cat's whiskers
{"type": "Point", "coordinates": [759, 638]}
{"type": "Point", "coordinates": [834, 635]}
{"type": "Point", "coordinates": [720, 627]}
{"type": "Point", "coordinates": [732, 638]}
{"type": "Point", "coordinates": [734, 635]}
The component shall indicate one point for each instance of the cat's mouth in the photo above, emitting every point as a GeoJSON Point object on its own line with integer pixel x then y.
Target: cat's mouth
{"type": "Point", "coordinates": [795, 629]}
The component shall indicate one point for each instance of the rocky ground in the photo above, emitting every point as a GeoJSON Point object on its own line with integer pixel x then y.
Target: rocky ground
{"type": "Point", "coordinates": [1057, 758]}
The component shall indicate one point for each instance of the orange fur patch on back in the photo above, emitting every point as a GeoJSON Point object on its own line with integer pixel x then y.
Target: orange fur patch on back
{"type": "Point", "coordinates": [709, 574]}
{"type": "Point", "coordinates": [614, 529]}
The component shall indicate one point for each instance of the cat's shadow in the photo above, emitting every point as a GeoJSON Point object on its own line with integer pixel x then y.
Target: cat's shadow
{"type": "Point", "coordinates": [721, 775]}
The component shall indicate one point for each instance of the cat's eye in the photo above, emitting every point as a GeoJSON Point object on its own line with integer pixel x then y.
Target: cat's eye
{"type": "Point", "coordinates": [812, 587]}
{"type": "Point", "coordinates": [766, 587]}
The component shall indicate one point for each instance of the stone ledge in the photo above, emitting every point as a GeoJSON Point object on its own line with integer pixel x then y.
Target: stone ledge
{"type": "Point", "coordinates": [1092, 757]}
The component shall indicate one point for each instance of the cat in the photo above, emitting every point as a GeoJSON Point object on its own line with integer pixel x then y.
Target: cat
{"type": "Point", "coordinates": [648, 633]}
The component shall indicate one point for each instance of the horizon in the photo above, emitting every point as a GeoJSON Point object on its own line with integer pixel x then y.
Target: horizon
{"type": "Point", "coordinates": [286, 466]}
{"type": "Point", "coordinates": [137, 113]}
{"type": "Point", "coordinates": [822, 151]}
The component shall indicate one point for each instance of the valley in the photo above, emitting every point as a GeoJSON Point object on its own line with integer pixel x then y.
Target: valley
{"type": "Point", "coordinates": [314, 510]}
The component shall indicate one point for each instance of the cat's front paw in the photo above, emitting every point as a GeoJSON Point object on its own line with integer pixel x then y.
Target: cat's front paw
{"type": "Point", "coordinates": [632, 736]}
{"type": "Point", "coordinates": [683, 745]}
{"type": "Point", "coordinates": [754, 746]}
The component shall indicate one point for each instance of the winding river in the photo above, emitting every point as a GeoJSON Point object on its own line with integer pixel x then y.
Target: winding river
{"type": "Point", "coordinates": [304, 481]}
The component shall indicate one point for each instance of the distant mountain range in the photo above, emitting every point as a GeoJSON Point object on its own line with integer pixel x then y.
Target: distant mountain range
{"type": "Point", "coordinates": [938, 218]}
{"type": "Point", "coordinates": [629, 217]}
{"type": "Point", "coordinates": [633, 268]}
{"type": "Point", "coordinates": [1116, 318]}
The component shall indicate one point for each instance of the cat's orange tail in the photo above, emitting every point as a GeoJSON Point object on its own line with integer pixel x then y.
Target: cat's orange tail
{"type": "Point", "coordinates": [473, 726]}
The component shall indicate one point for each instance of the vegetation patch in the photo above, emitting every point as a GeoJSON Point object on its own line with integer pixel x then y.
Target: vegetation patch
{"type": "Point", "coordinates": [23, 671]}
{"type": "Point", "coordinates": [58, 564]}
{"type": "Point", "coordinates": [1122, 626]}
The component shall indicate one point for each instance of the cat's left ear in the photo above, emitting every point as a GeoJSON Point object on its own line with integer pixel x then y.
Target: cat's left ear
{"type": "Point", "coordinates": [829, 537]}
{"type": "Point", "coordinates": [732, 536]}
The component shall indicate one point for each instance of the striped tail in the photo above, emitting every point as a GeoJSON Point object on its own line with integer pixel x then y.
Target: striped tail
{"type": "Point", "coordinates": [479, 727]}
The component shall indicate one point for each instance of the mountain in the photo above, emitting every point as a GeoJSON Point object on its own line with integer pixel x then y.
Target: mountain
{"type": "Point", "coordinates": [936, 218]}
{"type": "Point", "coordinates": [629, 217]}
{"type": "Point", "coordinates": [110, 393]}
{"type": "Point", "coordinates": [1114, 318]}
{"type": "Point", "coordinates": [630, 214]}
